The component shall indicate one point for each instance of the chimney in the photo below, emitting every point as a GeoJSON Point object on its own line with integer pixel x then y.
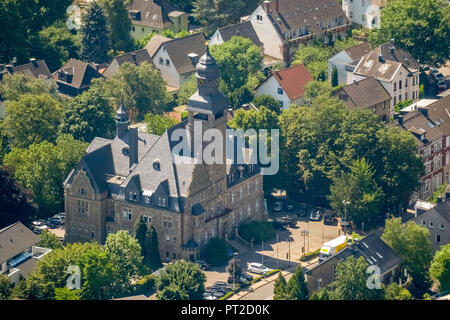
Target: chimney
{"type": "Point", "coordinates": [34, 62]}
{"type": "Point", "coordinates": [133, 145]}
{"type": "Point", "coordinates": [194, 58]}
{"type": "Point", "coordinates": [400, 119]}
{"type": "Point", "coordinates": [133, 56]}
{"type": "Point", "coordinates": [380, 58]}
{"type": "Point", "coordinates": [424, 111]}
{"type": "Point", "coordinates": [439, 199]}
{"type": "Point", "coordinates": [392, 49]}
{"type": "Point", "coordinates": [276, 5]}
{"type": "Point", "coordinates": [266, 6]}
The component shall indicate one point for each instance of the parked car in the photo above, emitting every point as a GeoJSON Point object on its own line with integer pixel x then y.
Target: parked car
{"type": "Point", "coordinates": [329, 219]}
{"type": "Point", "coordinates": [442, 85]}
{"type": "Point", "coordinates": [222, 284]}
{"type": "Point", "coordinates": [209, 296]}
{"type": "Point", "coordinates": [203, 264]}
{"type": "Point", "coordinates": [345, 223]}
{"type": "Point", "coordinates": [289, 208]}
{"type": "Point", "coordinates": [279, 224]}
{"type": "Point", "coordinates": [243, 278]}
{"type": "Point", "coordinates": [315, 215]}
{"type": "Point", "coordinates": [278, 206]}
{"type": "Point", "coordinates": [258, 268]}
{"type": "Point", "coordinates": [301, 212]}
{"type": "Point", "coordinates": [289, 220]}
{"type": "Point", "coordinates": [438, 76]}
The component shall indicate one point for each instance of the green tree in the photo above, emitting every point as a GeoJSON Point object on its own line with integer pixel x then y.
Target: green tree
{"type": "Point", "coordinates": [316, 89]}
{"type": "Point", "coordinates": [12, 87]}
{"type": "Point", "coordinates": [216, 252]}
{"type": "Point", "coordinates": [351, 281]}
{"type": "Point", "coordinates": [32, 119]}
{"type": "Point", "coordinates": [94, 32]}
{"type": "Point", "coordinates": [67, 294]}
{"type": "Point", "coordinates": [321, 294]}
{"type": "Point", "coordinates": [238, 58]}
{"type": "Point", "coordinates": [43, 168]}
{"type": "Point", "coordinates": [213, 14]}
{"type": "Point", "coordinates": [119, 24]}
{"type": "Point", "coordinates": [188, 88]}
{"type": "Point", "coordinates": [5, 287]}
{"type": "Point", "coordinates": [395, 292]}
{"type": "Point", "coordinates": [440, 267]}
{"type": "Point", "coordinates": [57, 44]}
{"type": "Point", "coordinates": [181, 280]}
{"type": "Point", "coordinates": [89, 115]}
{"type": "Point", "coordinates": [125, 255]}
{"type": "Point", "coordinates": [267, 101]}
{"type": "Point", "coordinates": [334, 77]}
{"type": "Point", "coordinates": [279, 289]}
{"type": "Point", "coordinates": [141, 87]}
{"type": "Point", "coordinates": [154, 258]}
{"type": "Point", "coordinates": [315, 58]}
{"type": "Point", "coordinates": [411, 242]}
{"type": "Point", "coordinates": [360, 189]}
{"type": "Point", "coordinates": [158, 124]}
{"type": "Point", "coordinates": [49, 240]}
{"type": "Point", "coordinates": [296, 288]}
{"type": "Point", "coordinates": [17, 203]}
{"type": "Point", "coordinates": [430, 22]}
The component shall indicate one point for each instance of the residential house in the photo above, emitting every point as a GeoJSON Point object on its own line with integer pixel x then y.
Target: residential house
{"type": "Point", "coordinates": [19, 251]}
{"type": "Point", "coordinates": [155, 16]}
{"type": "Point", "coordinates": [287, 85]}
{"type": "Point", "coordinates": [135, 57]}
{"type": "Point", "coordinates": [177, 58]}
{"type": "Point", "coordinates": [364, 13]}
{"type": "Point", "coordinates": [155, 43]}
{"type": "Point", "coordinates": [75, 77]}
{"type": "Point", "coordinates": [345, 62]}
{"type": "Point", "coordinates": [374, 250]}
{"type": "Point", "coordinates": [367, 94]}
{"type": "Point", "coordinates": [437, 220]}
{"type": "Point", "coordinates": [430, 127]}
{"type": "Point", "coordinates": [35, 69]}
{"type": "Point", "coordinates": [139, 175]}
{"type": "Point", "coordinates": [282, 25]}
{"type": "Point", "coordinates": [396, 70]}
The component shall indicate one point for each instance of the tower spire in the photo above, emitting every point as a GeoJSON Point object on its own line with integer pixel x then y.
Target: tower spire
{"type": "Point", "coordinates": [122, 120]}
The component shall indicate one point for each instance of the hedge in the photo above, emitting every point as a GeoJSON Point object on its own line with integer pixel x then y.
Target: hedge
{"type": "Point", "coordinates": [310, 255]}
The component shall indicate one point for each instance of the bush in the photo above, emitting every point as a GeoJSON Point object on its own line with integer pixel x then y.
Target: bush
{"type": "Point", "coordinates": [260, 231]}
{"type": "Point", "coordinates": [216, 252]}
{"type": "Point", "coordinates": [310, 255]}
{"type": "Point", "coordinates": [144, 285]}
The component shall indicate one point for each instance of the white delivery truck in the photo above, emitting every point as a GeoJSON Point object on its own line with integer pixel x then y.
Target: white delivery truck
{"type": "Point", "coordinates": [332, 247]}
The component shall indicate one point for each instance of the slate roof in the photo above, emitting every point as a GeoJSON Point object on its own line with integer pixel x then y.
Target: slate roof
{"type": "Point", "coordinates": [155, 43]}
{"type": "Point", "coordinates": [135, 57]}
{"type": "Point", "coordinates": [294, 14]}
{"type": "Point", "coordinates": [14, 239]}
{"type": "Point", "coordinates": [417, 123]}
{"type": "Point", "coordinates": [366, 92]}
{"type": "Point", "coordinates": [38, 69]}
{"type": "Point", "coordinates": [244, 29]}
{"type": "Point", "coordinates": [439, 112]}
{"type": "Point", "coordinates": [370, 65]}
{"type": "Point", "coordinates": [358, 51]}
{"type": "Point", "coordinates": [82, 74]}
{"type": "Point", "coordinates": [293, 80]}
{"type": "Point", "coordinates": [179, 49]}
{"type": "Point", "coordinates": [155, 13]}
{"type": "Point", "coordinates": [27, 267]}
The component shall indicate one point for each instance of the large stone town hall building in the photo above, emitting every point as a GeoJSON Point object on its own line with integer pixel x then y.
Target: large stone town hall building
{"type": "Point", "coordinates": [134, 175]}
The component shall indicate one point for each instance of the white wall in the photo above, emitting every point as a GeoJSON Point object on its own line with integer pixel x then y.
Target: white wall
{"type": "Point", "coordinates": [168, 73]}
{"type": "Point", "coordinates": [339, 60]}
{"type": "Point", "coordinates": [270, 87]}
{"type": "Point", "coordinates": [364, 11]}
{"type": "Point", "coordinates": [267, 34]}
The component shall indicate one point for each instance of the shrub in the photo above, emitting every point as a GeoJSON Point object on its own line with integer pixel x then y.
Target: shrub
{"type": "Point", "coordinates": [216, 252]}
{"type": "Point", "coordinates": [310, 255]}
{"type": "Point", "coordinates": [260, 231]}
{"type": "Point", "coordinates": [144, 285]}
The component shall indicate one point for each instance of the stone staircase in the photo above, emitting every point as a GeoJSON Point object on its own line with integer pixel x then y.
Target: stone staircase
{"type": "Point", "coordinates": [240, 247]}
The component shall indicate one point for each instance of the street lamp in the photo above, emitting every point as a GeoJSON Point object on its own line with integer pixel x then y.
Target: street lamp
{"type": "Point", "coordinates": [234, 269]}
{"type": "Point", "coordinates": [345, 203]}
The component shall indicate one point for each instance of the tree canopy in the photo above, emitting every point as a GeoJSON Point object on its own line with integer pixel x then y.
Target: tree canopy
{"type": "Point", "coordinates": [119, 24]}
{"type": "Point", "coordinates": [94, 33]}
{"type": "Point", "coordinates": [158, 124]}
{"type": "Point", "coordinates": [440, 267]}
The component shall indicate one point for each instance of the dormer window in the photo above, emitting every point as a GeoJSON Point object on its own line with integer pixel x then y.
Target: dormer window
{"type": "Point", "coordinates": [157, 165]}
{"type": "Point", "coordinates": [259, 18]}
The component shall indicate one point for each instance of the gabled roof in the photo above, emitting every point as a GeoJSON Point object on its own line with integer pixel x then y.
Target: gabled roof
{"type": "Point", "coordinates": [391, 60]}
{"type": "Point", "coordinates": [244, 29]}
{"type": "Point", "coordinates": [366, 92]}
{"type": "Point", "coordinates": [294, 14]}
{"type": "Point", "coordinates": [439, 112]}
{"type": "Point", "coordinates": [81, 74]}
{"type": "Point", "coordinates": [135, 57]}
{"type": "Point", "coordinates": [179, 49]}
{"type": "Point", "coordinates": [154, 13]}
{"type": "Point", "coordinates": [35, 69]}
{"type": "Point", "coordinates": [14, 239]}
{"type": "Point", "coordinates": [293, 80]}
{"type": "Point", "coordinates": [155, 43]}
{"type": "Point", "coordinates": [358, 51]}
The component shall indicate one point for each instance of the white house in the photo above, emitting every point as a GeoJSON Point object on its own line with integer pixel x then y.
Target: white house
{"type": "Point", "coordinates": [282, 25]}
{"type": "Point", "coordinates": [396, 70]}
{"type": "Point", "coordinates": [366, 13]}
{"type": "Point", "coordinates": [286, 86]}
{"type": "Point", "coordinates": [345, 62]}
{"type": "Point", "coordinates": [176, 59]}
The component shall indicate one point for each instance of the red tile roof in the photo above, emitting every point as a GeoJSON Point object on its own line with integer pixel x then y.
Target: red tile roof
{"type": "Point", "coordinates": [293, 80]}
